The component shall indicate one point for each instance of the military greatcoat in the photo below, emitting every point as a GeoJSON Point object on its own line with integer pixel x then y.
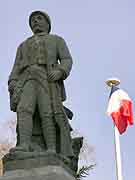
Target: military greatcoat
{"type": "Point", "coordinates": [51, 50]}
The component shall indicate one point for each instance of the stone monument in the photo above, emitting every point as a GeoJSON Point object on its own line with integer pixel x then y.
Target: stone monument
{"type": "Point", "coordinates": [37, 92]}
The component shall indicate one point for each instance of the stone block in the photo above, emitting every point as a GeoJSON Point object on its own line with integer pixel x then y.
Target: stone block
{"type": "Point", "coordinates": [42, 173]}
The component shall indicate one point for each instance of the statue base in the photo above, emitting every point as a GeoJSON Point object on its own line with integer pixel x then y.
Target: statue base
{"type": "Point", "coordinates": [41, 165]}
{"type": "Point", "coordinates": [29, 160]}
{"type": "Point", "coordinates": [42, 173]}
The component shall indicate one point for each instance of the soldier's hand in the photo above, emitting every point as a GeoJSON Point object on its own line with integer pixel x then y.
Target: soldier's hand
{"type": "Point", "coordinates": [11, 86]}
{"type": "Point", "coordinates": [55, 75]}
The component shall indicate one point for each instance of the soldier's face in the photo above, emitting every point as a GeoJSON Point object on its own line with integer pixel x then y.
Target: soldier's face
{"type": "Point", "coordinates": [39, 23]}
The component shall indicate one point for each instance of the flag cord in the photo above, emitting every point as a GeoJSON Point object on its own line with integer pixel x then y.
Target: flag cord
{"type": "Point", "coordinates": [118, 154]}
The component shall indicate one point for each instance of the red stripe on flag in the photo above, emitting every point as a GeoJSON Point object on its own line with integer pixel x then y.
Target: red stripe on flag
{"type": "Point", "coordinates": [127, 111]}
{"type": "Point", "coordinates": [123, 116]}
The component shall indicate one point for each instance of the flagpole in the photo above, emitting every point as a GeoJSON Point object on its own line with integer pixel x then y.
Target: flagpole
{"type": "Point", "coordinates": [111, 83]}
{"type": "Point", "coordinates": [118, 154]}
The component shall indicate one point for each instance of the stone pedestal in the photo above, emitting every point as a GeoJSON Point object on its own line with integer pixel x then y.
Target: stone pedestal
{"type": "Point", "coordinates": [42, 173]}
{"type": "Point", "coordinates": [37, 166]}
{"type": "Point", "coordinates": [26, 160]}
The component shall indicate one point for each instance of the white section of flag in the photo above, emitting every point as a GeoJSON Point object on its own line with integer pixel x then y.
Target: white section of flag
{"type": "Point", "coordinates": [115, 101]}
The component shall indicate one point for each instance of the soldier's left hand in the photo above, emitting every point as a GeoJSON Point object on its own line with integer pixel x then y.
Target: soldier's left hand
{"type": "Point", "coordinates": [55, 75]}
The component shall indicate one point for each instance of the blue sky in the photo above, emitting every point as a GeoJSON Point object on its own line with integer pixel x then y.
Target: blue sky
{"type": "Point", "coordinates": [101, 38]}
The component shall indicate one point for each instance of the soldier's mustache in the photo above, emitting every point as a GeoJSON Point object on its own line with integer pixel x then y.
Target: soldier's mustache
{"type": "Point", "coordinates": [36, 25]}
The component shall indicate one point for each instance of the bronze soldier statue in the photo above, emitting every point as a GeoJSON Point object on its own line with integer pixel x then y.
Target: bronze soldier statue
{"type": "Point", "coordinates": [42, 63]}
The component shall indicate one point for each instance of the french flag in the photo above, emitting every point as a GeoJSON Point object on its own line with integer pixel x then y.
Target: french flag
{"type": "Point", "coordinates": [120, 109]}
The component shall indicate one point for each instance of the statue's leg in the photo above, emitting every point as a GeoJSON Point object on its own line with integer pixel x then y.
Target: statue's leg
{"type": "Point", "coordinates": [49, 133]}
{"type": "Point", "coordinates": [65, 137]}
{"type": "Point", "coordinates": [48, 125]}
{"type": "Point", "coordinates": [25, 111]}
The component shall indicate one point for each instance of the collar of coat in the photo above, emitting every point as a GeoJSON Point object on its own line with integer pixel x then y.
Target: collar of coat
{"type": "Point", "coordinates": [41, 34]}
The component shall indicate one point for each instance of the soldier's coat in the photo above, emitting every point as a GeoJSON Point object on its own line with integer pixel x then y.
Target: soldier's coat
{"type": "Point", "coordinates": [53, 51]}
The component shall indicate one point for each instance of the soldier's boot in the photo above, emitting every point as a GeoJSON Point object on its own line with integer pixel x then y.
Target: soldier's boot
{"type": "Point", "coordinates": [49, 133]}
{"type": "Point", "coordinates": [24, 128]}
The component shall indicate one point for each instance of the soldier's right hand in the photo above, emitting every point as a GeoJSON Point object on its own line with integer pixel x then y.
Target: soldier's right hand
{"type": "Point", "coordinates": [11, 86]}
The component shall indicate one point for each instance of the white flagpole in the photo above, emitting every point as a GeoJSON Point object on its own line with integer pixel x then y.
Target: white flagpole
{"type": "Point", "coordinates": [112, 82]}
{"type": "Point", "coordinates": [118, 154]}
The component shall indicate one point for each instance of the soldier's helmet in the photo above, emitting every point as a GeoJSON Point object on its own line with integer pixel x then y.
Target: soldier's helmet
{"type": "Point", "coordinates": [42, 13]}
